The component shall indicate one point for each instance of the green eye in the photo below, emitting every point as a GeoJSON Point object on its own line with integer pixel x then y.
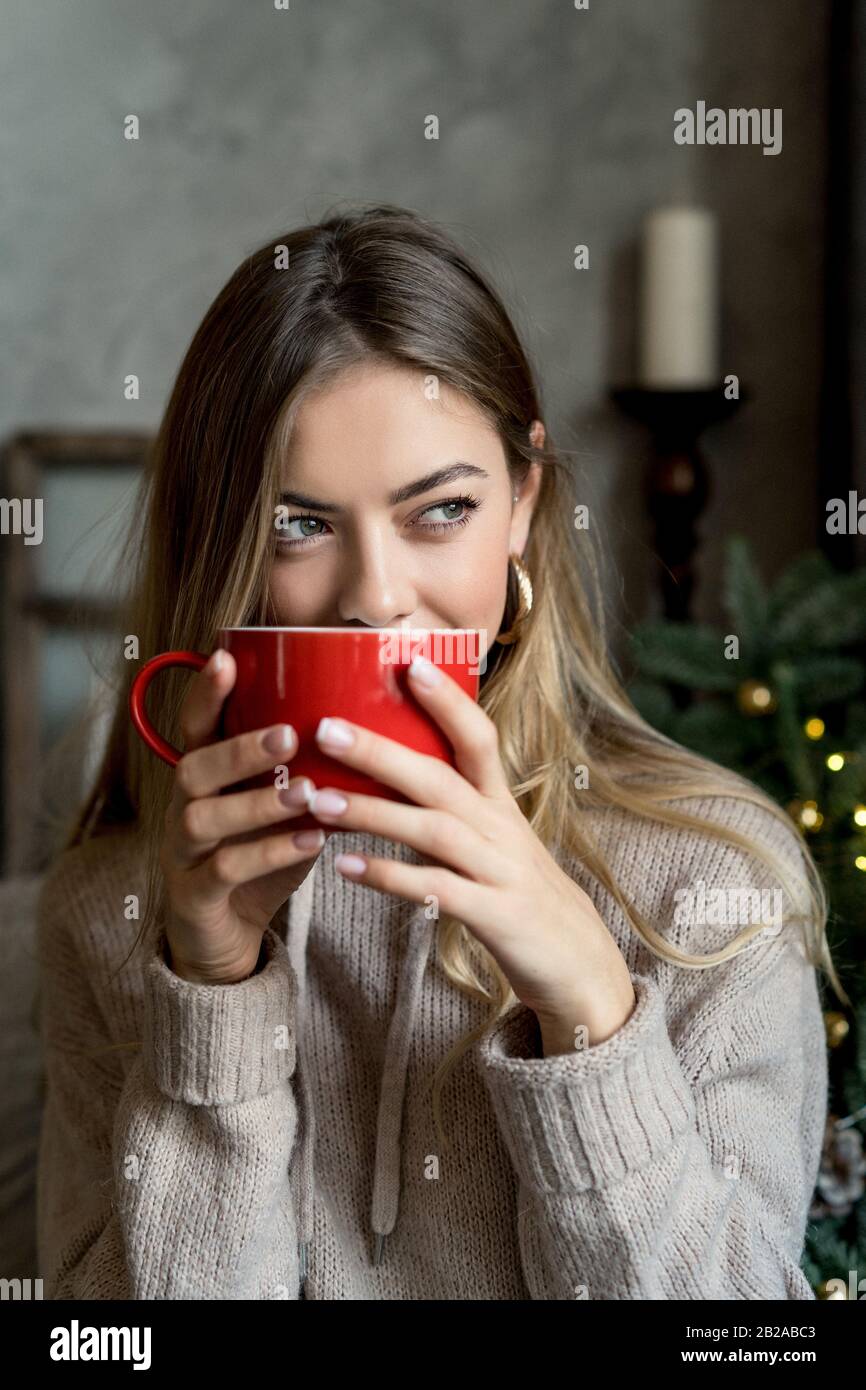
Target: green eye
{"type": "Point", "coordinates": [467, 501]}
{"type": "Point", "coordinates": [290, 541]}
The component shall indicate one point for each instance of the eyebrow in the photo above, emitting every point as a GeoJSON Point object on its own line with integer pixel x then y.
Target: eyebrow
{"type": "Point", "coordinates": [451, 471]}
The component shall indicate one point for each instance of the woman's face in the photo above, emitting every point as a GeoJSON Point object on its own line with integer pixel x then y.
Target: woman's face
{"type": "Point", "coordinates": [368, 537]}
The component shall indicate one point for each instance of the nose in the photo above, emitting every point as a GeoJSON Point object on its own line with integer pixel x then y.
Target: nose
{"type": "Point", "coordinates": [376, 590]}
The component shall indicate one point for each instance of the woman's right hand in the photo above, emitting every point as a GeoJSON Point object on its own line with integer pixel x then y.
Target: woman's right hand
{"type": "Point", "coordinates": [226, 871]}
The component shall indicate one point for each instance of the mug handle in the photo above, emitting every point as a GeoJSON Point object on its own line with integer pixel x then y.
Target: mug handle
{"type": "Point", "coordinates": [165, 750]}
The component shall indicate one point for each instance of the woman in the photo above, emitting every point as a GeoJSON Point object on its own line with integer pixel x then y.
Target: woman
{"type": "Point", "coordinates": [239, 1099]}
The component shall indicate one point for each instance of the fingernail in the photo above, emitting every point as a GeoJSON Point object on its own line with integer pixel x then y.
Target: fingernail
{"type": "Point", "coordinates": [217, 661]}
{"type": "Point", "coordinates": [279, 739]}
{"type": "Point", "coordinates": [328, 803]}
{"type": "Point", "coordinates": [297, 793]}
{"type": "Point", "coordinates": [350, 863]}
{"type": "Point", "coordinates": [424, 671]}
{"type": "Point", "coordinates": [309, 839]}
{"type": "Point", "coordinates": [336, 732]}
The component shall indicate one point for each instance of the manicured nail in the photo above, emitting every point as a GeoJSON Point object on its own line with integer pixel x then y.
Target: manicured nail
{"type": "Point", "coordinates": [350, 863]}
{"type": "Point", "coordinates": [336, 732]}
{"type": "Point", "coordinates": [217, 662]}
{"type": "Point", "coordinates": [279, 739]}
{"type": "Point", "coordinates": [424, 671]}
{"type": "Point", "coordinates": [297, 793]}
{"type": "Point", "coordinates": [328, 803]}
{"type": "Point", "coordinates": [309, 839]}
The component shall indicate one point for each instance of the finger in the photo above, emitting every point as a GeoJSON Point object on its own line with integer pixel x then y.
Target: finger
{"type": "Point", "coordinates": [205, 771]}
{"type": "Point", "coordinates": [232, 865]}
{"type": "Point", "coordinates": [202, 705]}
{"type": "Point", "coordinates": [435, 833]}
{"type": "Point", "coordinates": [459, 897]}
{"type": "Point", "coordinates": [201, 711]}
{"type": "Point", "coordinates": [205, 821]}
{"type": "Point", "coordinates": [468, 728]}
{"type": "Point", "coordinates": [423, 779]}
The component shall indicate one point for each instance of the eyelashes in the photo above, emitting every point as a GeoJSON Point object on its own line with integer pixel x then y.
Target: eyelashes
{"type": "Point", "coordinates": [466, 500]}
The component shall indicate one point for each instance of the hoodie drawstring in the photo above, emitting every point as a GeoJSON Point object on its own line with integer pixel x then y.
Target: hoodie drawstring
{"type": "Point", "coordinates": [419, 934]}
{"type": "Point", "coordinates": [299, 911]}
{"type": "Point", "coordinates": [386, 1172]}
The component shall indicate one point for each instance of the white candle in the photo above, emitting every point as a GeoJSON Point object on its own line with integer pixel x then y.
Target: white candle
{"type": "Point", "coordinates": [679, 302]}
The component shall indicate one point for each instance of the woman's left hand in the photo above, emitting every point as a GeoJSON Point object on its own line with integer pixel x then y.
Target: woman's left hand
{"type": "Point", "coordinates": [492, 871]}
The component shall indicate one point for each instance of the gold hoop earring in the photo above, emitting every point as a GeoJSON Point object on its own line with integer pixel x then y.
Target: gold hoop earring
{"type": "Point", "coordinates": [515, 632]}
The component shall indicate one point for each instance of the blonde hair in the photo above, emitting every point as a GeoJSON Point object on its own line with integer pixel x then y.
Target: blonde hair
{"type": "Point", "coordinates": [382, 284]}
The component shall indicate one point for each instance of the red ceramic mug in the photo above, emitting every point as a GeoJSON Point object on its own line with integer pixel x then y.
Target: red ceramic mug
{"type": "Point", "coordinates": [297, 675]}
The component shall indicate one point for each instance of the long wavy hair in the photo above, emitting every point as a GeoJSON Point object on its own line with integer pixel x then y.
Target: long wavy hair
{"type": "Point", "coordinates": [380, 283]}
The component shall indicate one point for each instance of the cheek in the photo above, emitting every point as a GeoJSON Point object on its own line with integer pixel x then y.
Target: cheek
{"type": "Point", "coordinates": [469, 580]}
{"type": "Point", "coordinates": [295, 605]}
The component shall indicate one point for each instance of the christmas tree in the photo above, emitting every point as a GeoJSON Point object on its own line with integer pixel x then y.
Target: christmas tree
{"type": "Point", "coordinates": [780, 696]}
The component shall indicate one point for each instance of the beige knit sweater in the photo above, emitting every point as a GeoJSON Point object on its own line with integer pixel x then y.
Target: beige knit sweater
{"type": "Point", "coordinates": [282, 1127]}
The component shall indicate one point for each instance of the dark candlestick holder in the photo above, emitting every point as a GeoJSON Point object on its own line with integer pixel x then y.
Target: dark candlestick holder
{"type": "Point", "coordinates": [677, 484]}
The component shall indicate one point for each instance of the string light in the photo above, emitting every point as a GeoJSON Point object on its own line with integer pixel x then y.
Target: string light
{"type": "Point", "coordinates": [756, 698]}
{"type": "Point", "coordinates": [810, 816]}
{"type": "Point", "coordinates": [814, 728]}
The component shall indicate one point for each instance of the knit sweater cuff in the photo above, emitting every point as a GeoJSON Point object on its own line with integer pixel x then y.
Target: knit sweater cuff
{"type": "Point", "coordinates": [586, 1119]}
{"type": "Point", "coordinates": [220, 1044]}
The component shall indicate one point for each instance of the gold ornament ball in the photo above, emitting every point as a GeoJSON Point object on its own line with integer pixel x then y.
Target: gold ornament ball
{"type": "Point", "coordinates": [837, 1028]}
{"type": "Point", "coordinates": [755, 697]}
